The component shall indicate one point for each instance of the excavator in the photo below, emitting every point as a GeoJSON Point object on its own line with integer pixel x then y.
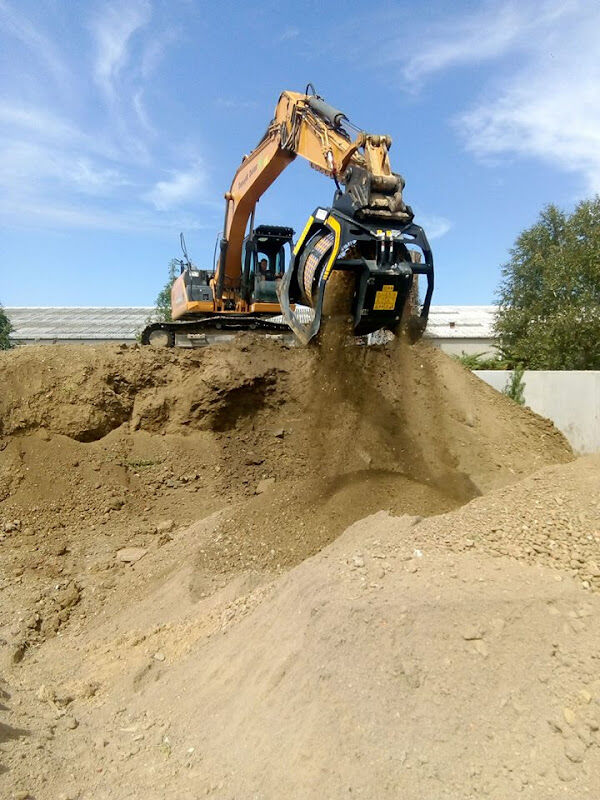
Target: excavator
{"type": "Point", "coordinates": [264, 281]}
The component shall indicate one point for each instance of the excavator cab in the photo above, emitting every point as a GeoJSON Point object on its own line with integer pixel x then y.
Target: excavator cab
{"type": "Point", "coordinates": [264, 260]}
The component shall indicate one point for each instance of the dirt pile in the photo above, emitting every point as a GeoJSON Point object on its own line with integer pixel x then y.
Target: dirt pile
{"type": "Point", "coordinates": [423, 676]}
{"type": "Point", "coordinates": [550, 518]}
{"type": "Point", "coordinates": [390, 659]}
{"type": "Point", "coordinates": [98, 445]}
{"type": "Point", "coordinates": [178, 616]}
{"type": "Point", "coordinates": [96, 431]}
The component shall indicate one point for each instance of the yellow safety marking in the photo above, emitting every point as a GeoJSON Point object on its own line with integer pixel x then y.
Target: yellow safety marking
{"type": "Point", "coordinates": [337, 232]}
{"type": "Point", "coordinates": [385, 299]}
{"type": "Point", "coordinates": [300, 241]}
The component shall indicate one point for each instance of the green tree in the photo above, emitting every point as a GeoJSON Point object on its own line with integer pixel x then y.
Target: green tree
{"type": "Point", "coordinates": [162, 303]}
{"type": "Point", "coordinates": [549, 296]}
{"type": "Point", "coordinates": [5, 330]}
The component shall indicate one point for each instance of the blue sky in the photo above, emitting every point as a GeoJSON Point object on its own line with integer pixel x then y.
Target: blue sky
{"type": "Point", "coordinates": [122, 123]}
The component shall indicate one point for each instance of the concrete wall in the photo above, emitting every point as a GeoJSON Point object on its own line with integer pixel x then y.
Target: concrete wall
{"type": "Point", "coordinates": [570, 399]}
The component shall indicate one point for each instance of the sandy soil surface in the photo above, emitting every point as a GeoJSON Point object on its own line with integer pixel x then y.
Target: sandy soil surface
{"type": "Point", "coordinates": [257, 571]}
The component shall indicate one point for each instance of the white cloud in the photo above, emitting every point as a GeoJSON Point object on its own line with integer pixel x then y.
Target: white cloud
{"type": "Point", "coordinates": [29, 214]}
{"type": "Point", "coordinates": [550, 107]}
{"type": "Point", "coordinates": [154, 51]}
{"type": "Point", "coordinates": [33, 124]}
{"type": "Point", "coordinates": [36, 119]}
{"type": "Point", "coordinates": [54, 174]}
{"type": "Point", "coordinates": [142, 114]}
{"type": "Point", "coordinates": [291, 32]}
{"type": "Point", "coordinates": [434, 226]}
{"type": "Point", "coordinates": [79, 160]}
{"type": "Point", "coordinates": [182, 187]}
{"type": "Point", "coordinates": [490, 32]}
{"type": "Point", "coordinates": [18, 26]}
{"type": "Point", "coordinates": [544, 98]}
{"type": "Point", "coordinates": [27, 166]}
{"type": "Point", "coordinates": [113, 31]}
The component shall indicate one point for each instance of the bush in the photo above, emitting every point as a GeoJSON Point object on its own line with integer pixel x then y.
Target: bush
{"type": "Point", "coordinates": [5, 330]}
{"type": "Point", "coordinates": [481, 361]}
{"type": "Point", "coordinates": [515, 386]}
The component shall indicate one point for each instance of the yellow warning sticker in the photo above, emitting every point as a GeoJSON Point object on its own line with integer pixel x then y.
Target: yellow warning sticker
{"type": "Point", "coordinates": [385, 299]}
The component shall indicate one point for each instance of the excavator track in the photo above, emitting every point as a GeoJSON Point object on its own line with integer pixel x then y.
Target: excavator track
{"type": "Point", "coordinates": [163, 334]}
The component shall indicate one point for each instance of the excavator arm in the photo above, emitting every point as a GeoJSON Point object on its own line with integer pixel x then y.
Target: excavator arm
{"type": "Point", "coordinates": [305, 125]}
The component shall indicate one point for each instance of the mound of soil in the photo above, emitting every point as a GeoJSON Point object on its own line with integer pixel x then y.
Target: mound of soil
{"type": "Point", "coordinates": [550, 518]}
{"type": "Point", "coordinates": [428, 676]}
{"type": "Point", "coordinates": [172, 571]}
{"type": "Point", "coordinates": [394, 658]}
{"type": "Point", "coordinates": [83, 429]}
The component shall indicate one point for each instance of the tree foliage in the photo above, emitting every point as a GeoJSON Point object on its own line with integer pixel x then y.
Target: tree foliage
{"type": "Point", "coordinates": [481, 361]}
{"type": "Point", "coordinates": [5, 330]}
{"type": "Point", "coordinates": [549, 297]}
{"type": "Point", "coordinates": [163, 299]}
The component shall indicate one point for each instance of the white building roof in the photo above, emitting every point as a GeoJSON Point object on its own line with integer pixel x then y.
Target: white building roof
{"type": "Point", "coordinates": [461, 322]}
{"type": "Point", "coordinates": [124, 322]}
{"type": "Point", "coordinates": [78, 322]}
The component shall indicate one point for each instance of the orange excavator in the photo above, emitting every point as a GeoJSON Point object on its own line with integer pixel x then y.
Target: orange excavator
{"type": "Point", "coordinates": [261, 277]}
